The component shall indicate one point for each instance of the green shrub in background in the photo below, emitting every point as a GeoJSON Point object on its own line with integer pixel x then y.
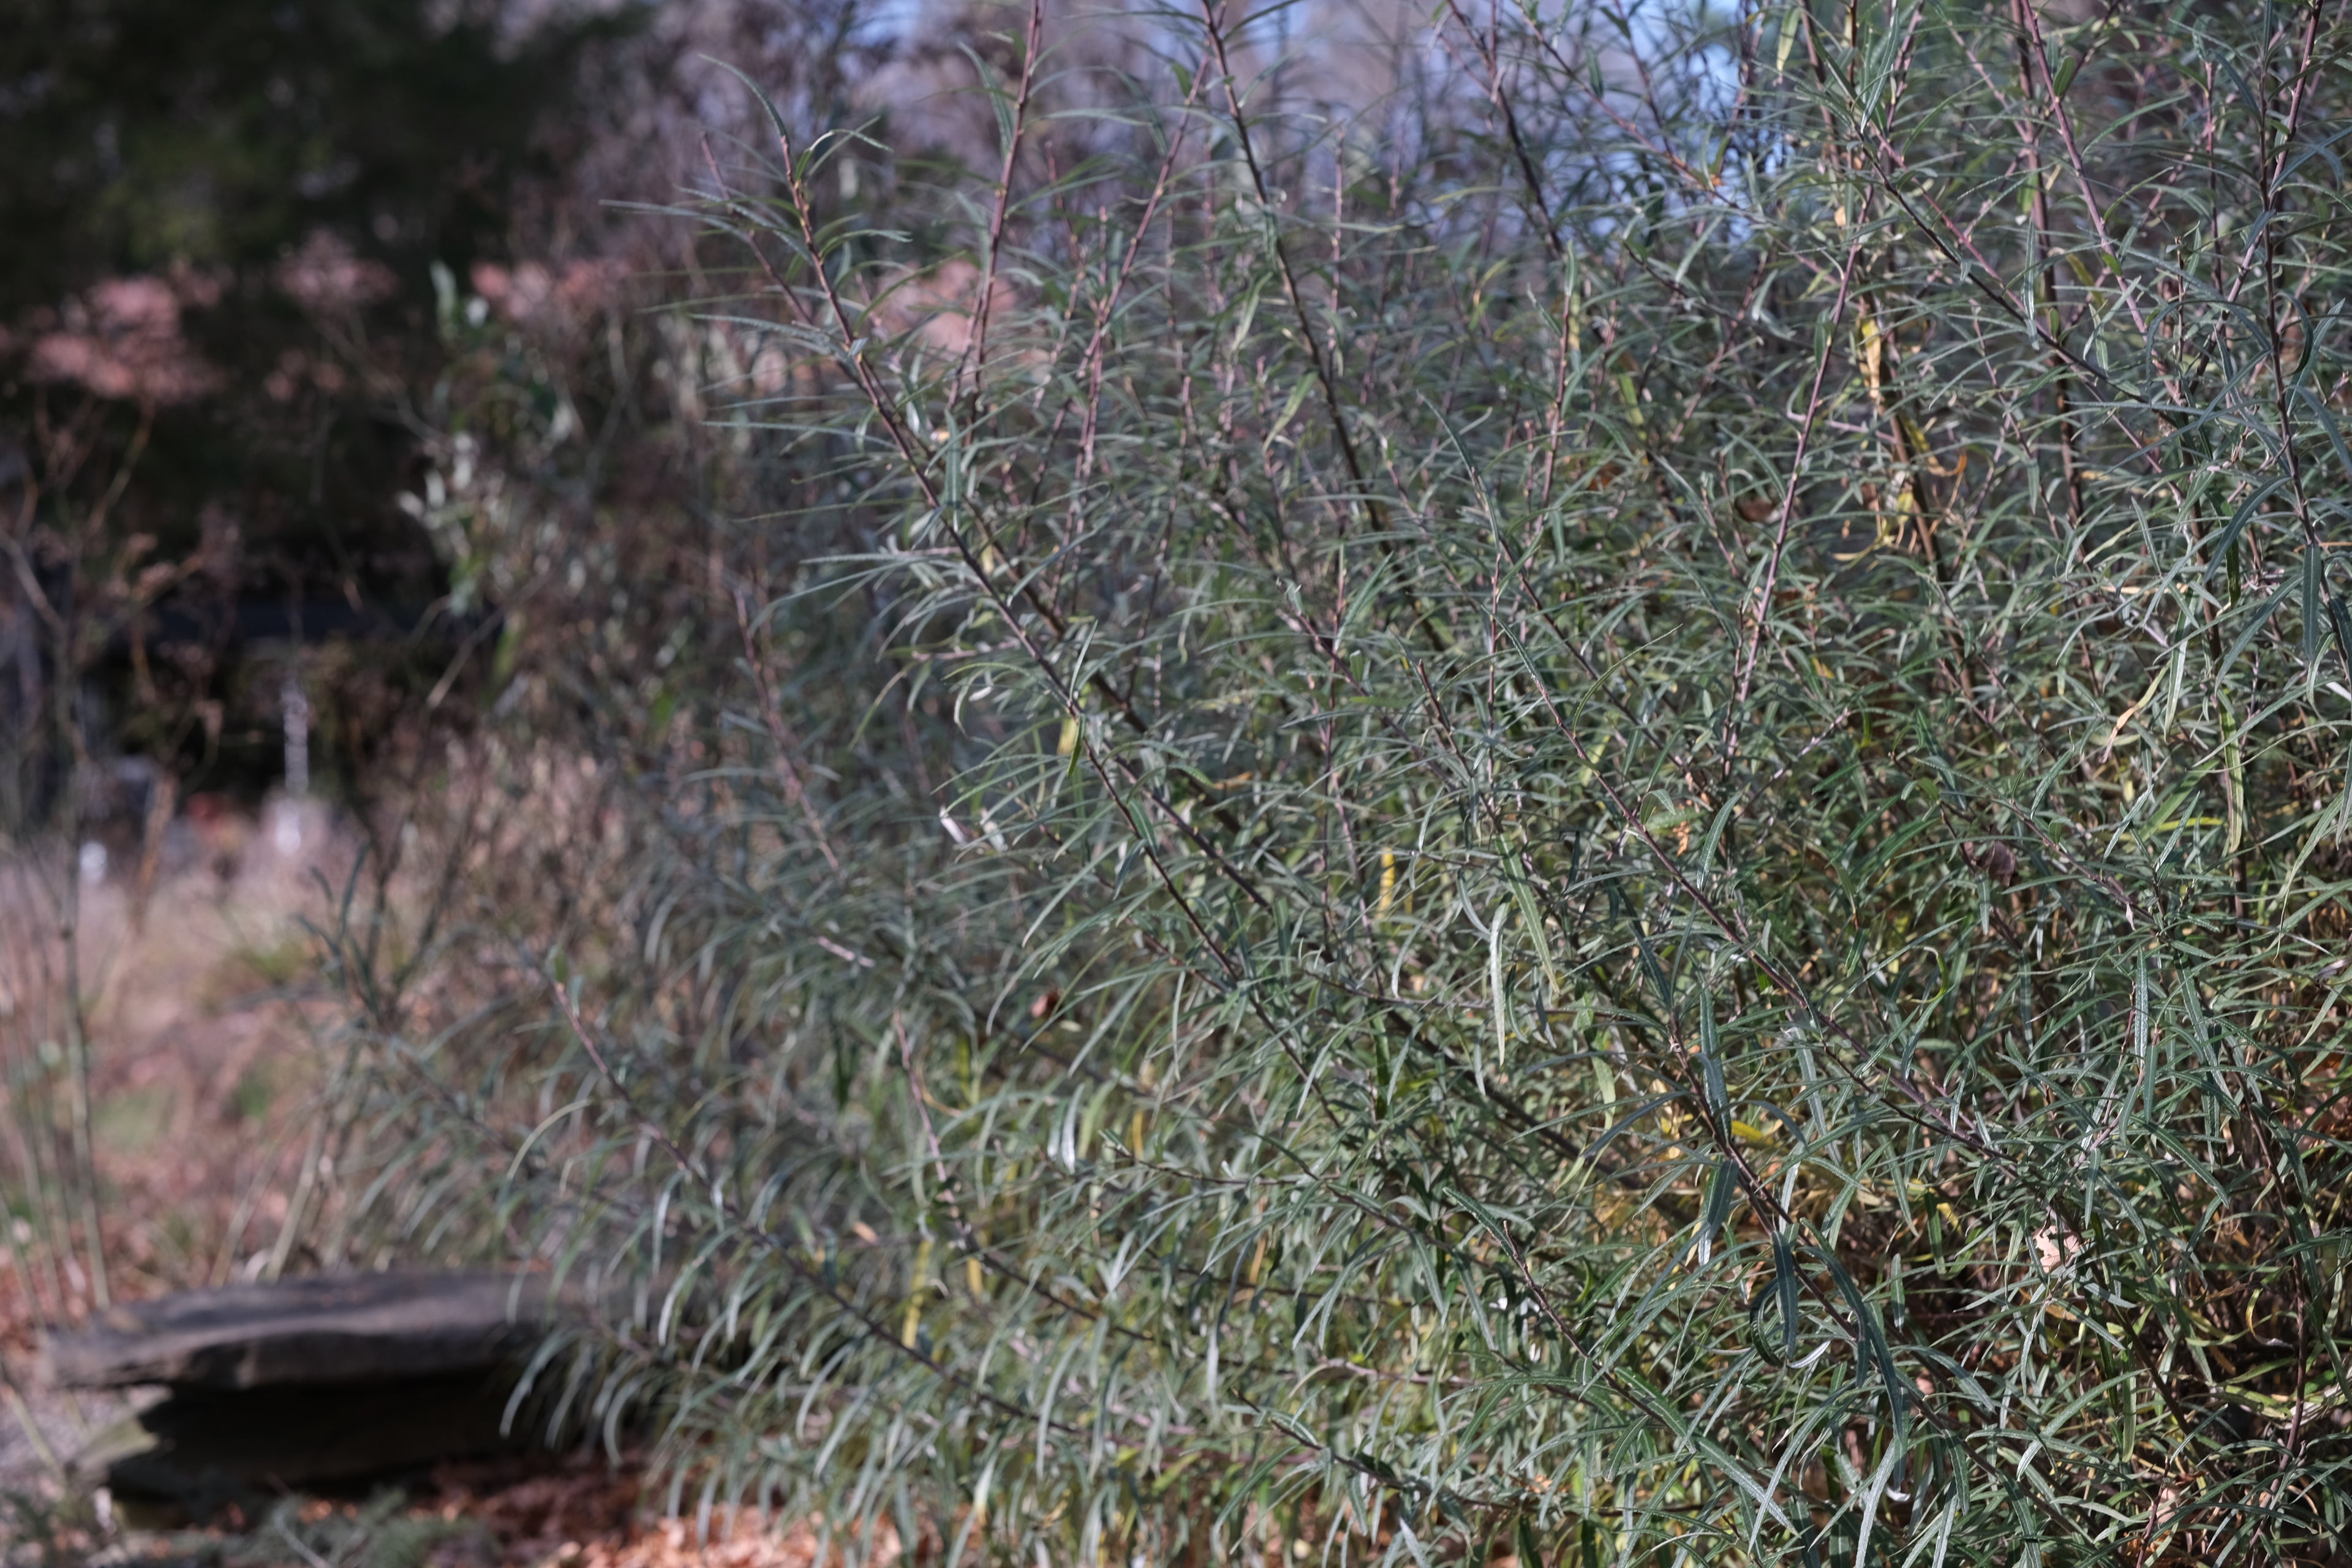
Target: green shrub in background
{"type": "Point", "coordinates": [1600, 817]}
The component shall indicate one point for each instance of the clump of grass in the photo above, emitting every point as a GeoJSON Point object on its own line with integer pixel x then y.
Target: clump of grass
{"type": "Point", "coordinates": [1602, 820]}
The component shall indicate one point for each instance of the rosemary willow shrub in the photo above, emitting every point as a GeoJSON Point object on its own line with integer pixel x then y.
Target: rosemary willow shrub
{"type": "Point", "coordinates": [1597, 818]}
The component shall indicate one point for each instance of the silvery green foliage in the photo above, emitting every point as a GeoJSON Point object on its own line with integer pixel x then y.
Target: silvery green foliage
{"type": "Point", "coordinates": [1599, 817]}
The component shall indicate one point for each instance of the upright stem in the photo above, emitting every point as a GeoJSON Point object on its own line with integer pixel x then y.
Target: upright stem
{"type": "Point", "coordinates": [2044, 276]}
{"type": "Point", "coordinates": [76, 1017]}
{"type": "Point", "coordinates": [306, 1179]}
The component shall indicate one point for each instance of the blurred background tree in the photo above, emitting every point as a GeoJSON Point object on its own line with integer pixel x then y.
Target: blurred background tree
{"type": "Point", "coordinates": [219, 298]}
{"type": "Point", "coordinates": [323, 375]}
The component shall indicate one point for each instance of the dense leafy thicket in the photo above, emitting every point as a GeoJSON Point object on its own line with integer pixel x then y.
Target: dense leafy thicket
{"type": "Point", "coordinates": [1601, 817]}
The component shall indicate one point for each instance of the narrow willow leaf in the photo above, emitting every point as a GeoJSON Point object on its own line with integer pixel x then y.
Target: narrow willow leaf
{"type": "Point", "coordinates": [2314, 602]}
{"type": "Point", "coordinates": [1722, 1187]}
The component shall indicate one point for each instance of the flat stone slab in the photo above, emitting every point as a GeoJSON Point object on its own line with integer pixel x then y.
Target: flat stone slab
{"type": "Point", "coordinates": [321, 1330]}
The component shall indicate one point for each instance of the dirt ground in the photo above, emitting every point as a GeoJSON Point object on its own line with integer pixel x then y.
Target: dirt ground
{"type": "Point", "coordinates": [209, 1045]}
